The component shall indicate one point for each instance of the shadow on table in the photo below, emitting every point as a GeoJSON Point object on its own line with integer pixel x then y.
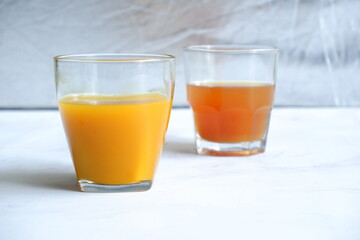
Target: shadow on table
{"type": "Point", "coordinates": [42, 179]}
{"type": "Point", "coordinates": [65, 179]}
{"type": "Point", "coordinates": [183, 147]}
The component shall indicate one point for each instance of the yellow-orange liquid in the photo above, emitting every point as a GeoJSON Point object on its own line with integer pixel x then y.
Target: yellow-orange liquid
{"type": "Point", "coordinates": [230, 112]}
{"type": "Point", "coordinates": [115, 139]}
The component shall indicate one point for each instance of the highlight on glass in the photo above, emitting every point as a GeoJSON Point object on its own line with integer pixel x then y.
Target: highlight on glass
{"type": "Point", "coordinates": [115, 110]}
{"type": "Point", "coordinates": [230, 89]}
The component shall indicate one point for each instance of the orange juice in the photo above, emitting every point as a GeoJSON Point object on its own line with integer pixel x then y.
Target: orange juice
{"type": "Point", "coordinates": [115, 139]}
{"type": "Point", "coordinates": [230, 112]}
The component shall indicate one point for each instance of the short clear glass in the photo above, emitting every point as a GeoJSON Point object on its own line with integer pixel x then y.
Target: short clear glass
{"type": "Point", "coordinates": [115, 110]}
{"type": "Point", "coordinates": [230, 89]}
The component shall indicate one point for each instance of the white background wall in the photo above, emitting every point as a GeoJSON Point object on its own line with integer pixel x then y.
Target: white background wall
{"type": "Point", "coordinates": [319, 41]}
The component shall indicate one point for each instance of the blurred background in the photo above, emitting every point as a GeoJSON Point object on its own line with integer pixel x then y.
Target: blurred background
{"type": "Point", "coordinates": [319, 41]}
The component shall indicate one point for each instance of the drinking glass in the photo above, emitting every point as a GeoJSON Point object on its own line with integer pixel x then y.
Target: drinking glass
{"type": "Point", "coordinates": [115, 110]}
{"type": "Point", "coordinates": [230, 89]}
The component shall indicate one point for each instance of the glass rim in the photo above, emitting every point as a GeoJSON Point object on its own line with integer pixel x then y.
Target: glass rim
{"type": "Point", "coordinates": [231, 48]}
{"type": "Point", "coordinates": [114, 57]}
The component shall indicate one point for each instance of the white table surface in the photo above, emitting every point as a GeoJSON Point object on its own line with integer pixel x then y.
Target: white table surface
{"type": "Point", "coordinates": [305, 186]}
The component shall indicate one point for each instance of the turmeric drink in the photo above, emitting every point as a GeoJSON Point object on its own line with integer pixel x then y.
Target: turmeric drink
{"type": "Point", "coordinates": [115, 139]}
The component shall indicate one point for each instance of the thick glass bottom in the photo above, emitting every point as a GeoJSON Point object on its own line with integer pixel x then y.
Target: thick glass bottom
{"type": "Point", "coordinates": [229, 149]}
{"type": "Point", "coordinates": [89, 186]}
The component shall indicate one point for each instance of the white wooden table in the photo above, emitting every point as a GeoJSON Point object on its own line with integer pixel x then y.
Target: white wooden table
{"type": "Point", "coordinates": [305, 186]}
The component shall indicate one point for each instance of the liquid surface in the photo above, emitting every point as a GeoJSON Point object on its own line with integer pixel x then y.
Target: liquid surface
{"type": "Point", "coordinates": [230, 112]}
{"type": "Point", "coordinates": [115, 139]}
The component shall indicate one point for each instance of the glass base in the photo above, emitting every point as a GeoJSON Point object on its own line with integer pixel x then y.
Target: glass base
{"type": "Point", "coordinates": [89, 186]}
{"type": "Point", "coordinates": [229, 149]}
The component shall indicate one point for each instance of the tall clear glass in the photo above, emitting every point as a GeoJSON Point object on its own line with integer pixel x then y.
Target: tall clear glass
{"type": "Point", "coordinates": [115, 110]}
{"type": "Point", "coordinates": [230, 89]}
